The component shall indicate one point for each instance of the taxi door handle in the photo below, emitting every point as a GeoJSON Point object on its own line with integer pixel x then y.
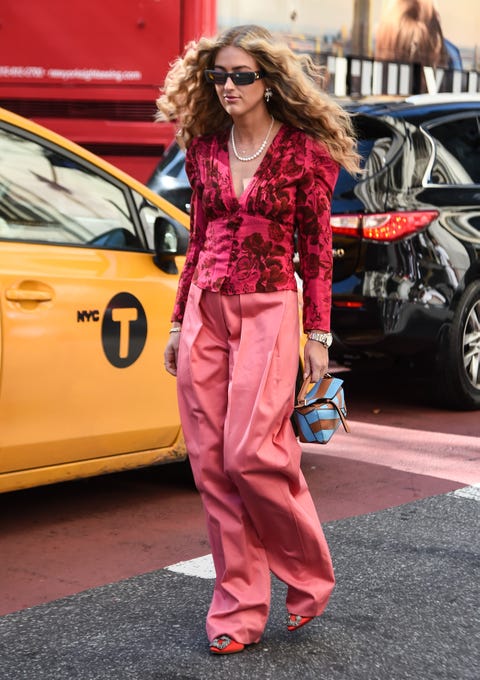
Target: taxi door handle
{"type": "Point", "coordinates": [22, 295]}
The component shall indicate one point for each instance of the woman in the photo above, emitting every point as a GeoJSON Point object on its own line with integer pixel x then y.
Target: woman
{"type": "Point", "coordinates": [264, 148]}
{"type": "Point", "coordinates": [410, 31]}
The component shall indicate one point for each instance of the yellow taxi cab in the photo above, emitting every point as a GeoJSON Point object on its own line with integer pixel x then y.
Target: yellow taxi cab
{"type": "Point", "coordinates": [88, 276]}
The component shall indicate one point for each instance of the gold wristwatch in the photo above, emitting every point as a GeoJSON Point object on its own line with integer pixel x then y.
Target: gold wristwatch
{"type": "Point", "coordinates": [325, 339]}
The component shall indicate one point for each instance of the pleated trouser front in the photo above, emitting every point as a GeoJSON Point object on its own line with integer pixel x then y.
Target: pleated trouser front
{"type": "Point", "coordinates": [237, 367]}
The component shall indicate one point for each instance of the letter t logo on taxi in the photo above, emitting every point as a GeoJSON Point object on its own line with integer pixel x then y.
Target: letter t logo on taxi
{"type": "Point", "coordinates": [124, 316]}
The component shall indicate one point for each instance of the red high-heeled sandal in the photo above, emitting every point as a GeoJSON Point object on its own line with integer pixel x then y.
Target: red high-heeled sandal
{"type": "Point", "coordinates": [295, 621]}
{"type": "Point", "coordinates": [225, 645]}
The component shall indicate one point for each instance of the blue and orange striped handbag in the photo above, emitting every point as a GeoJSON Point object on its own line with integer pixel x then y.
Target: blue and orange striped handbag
{"type": "Point", "coordinates": [320, 410]}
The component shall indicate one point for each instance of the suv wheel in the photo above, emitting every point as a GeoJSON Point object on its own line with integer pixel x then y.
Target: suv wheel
{"type": "Point", "coordinates": [458, 361]}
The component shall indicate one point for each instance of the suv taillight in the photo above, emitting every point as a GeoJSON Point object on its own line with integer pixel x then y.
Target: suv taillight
{"type": "Point", "coordinates": [389, 226]}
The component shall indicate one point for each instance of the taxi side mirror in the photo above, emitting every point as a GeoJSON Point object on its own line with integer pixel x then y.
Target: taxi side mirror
{"type": "Point", "coordinates": [165, 243]}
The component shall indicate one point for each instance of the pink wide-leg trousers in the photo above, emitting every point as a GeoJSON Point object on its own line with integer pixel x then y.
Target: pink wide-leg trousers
{"type": "Point", "coordinates": [237, 367]}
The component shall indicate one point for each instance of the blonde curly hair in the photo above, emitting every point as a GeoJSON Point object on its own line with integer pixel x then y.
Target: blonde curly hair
{"type": "Point", "coordinates": [295, 80]}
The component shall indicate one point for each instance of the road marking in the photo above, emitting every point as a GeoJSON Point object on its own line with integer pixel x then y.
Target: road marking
{"type": "Point", "coordinates": [434, 454]}
{"type": "Point", "coordinates": [202, 567]}
{"type": "Point", "coordinates": [471, 492]}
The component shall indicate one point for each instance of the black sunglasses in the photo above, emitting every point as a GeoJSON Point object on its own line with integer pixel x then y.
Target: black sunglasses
{"type": "Point", "coordinates": [237, 77]}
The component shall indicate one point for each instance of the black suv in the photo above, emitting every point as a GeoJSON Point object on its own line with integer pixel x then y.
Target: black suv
{"type": "Point", "coordinates": [406, 239]}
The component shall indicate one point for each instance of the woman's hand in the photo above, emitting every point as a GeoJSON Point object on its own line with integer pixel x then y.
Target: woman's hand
{"type": "Point", "coordinates": [315, 360]}
{"type": "Point", "coordinates": [171, 353]}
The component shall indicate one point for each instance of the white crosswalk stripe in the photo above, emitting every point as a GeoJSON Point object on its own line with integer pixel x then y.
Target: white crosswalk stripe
{"type": "Point", "coordinates": [202, 567]}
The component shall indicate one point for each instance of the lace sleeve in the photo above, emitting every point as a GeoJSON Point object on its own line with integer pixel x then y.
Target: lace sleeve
{"type": "Point", "coordinates": [197, 229]}
{"type": "Point", "coordinates": [314, 195]}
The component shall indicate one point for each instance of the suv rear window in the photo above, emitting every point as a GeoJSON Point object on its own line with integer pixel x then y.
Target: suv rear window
{"type": "Point", "coordinates": [457, 143]}
{"type": "Point", "coordinates": [377, 143]}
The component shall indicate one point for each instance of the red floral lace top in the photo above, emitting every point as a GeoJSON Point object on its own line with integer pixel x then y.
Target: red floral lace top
{"type": "Point", "coordinates": [246, 244]}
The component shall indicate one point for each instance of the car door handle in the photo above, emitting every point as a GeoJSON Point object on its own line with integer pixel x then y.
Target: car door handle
{"type": "Point", "coordinates": [22, 295]}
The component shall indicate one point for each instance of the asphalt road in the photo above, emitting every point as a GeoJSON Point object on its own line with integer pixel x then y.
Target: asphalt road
{"type": "Point", "coordinates": [87, 589]}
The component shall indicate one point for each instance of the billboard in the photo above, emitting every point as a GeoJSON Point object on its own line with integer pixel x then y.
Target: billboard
{"type": "Point", "coordinates": [431, 32]}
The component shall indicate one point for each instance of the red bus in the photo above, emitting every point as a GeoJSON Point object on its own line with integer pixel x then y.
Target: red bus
{"type": "Point", "coordinates": [91, 70]}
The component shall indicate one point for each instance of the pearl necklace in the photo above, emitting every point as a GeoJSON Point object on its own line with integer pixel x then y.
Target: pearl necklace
{"type": "Point", "coordinates": [259, 150]}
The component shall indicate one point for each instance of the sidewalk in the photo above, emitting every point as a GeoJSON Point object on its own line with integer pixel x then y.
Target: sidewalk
{"type": "Point", "coordinates": [406, 606]}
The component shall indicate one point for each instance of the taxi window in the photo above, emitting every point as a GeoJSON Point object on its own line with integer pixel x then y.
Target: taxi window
{"type": "Point", "coordinates": [48, 197]}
